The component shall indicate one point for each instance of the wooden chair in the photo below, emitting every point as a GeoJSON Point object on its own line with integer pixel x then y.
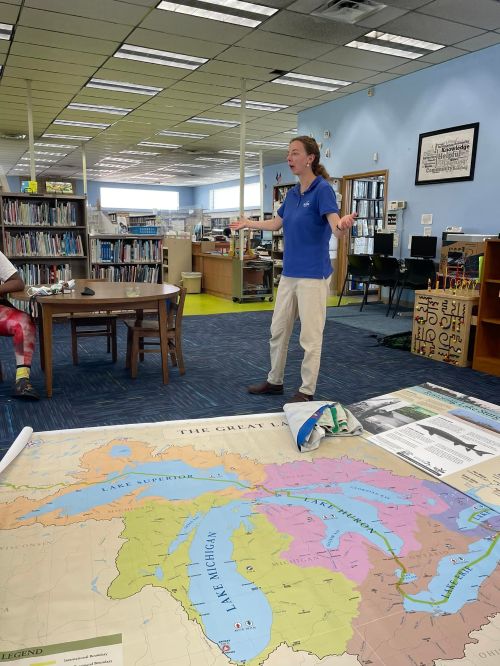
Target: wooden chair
{"type": "Point", "coordinates": [94, 324]}
{"type": "Point", "coordinates": [143, 336]}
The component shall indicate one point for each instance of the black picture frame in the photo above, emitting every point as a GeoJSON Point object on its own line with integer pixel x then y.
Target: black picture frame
{"type": "Point", "coordinates": [447, 155]}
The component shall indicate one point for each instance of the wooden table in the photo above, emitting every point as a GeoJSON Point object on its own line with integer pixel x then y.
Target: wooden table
{"type": "Point", "coordinates": [109, 296]}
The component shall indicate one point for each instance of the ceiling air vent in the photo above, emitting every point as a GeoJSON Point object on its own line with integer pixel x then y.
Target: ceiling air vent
{"type": "Point", "coordinates": [348, 11]}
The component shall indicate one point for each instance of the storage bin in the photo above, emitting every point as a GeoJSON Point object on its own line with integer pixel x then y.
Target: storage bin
{"type": "Point", "coordinates": [192, 282]}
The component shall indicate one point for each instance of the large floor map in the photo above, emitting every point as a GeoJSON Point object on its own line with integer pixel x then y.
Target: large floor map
{"type": "Point", "coordinates": [218, 543]}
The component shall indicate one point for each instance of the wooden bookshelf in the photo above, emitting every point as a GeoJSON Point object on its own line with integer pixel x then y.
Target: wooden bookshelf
{"type": "Point", "coordinates": [45, 235]}
{"type": "Point", "coordinates": [126, 257]}
{"type": "Point", "coordinates": [487, 347]}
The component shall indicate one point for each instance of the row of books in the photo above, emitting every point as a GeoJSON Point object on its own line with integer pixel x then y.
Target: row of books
{"type": "Point", "coordinates": [44, 273]}
{"type": "Point", "coordinates": [369, 189]}
{"type": "Point", "coordinates": [363, 245]}
{"type": "Point", "coordinates": [52, 214]}
{"type": "Point", "coordinates": [43, 244]}
{"type": "Point", "coordinates": [126, 273]}
{"type": "Point", "coordinates": [363, 228]}
{"type": "Point", "coordinates": [124, 250]}
{"type": "Point", "coordinates": [365, 208]}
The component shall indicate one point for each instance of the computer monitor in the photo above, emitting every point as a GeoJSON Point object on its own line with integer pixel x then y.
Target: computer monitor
{"type": "Point", "coordinates": [383, 244]}
{"type": "Point", "coordinates": [423, 247]}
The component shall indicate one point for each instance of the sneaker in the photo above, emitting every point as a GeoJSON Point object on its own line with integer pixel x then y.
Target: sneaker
{"type": "Point", "coordinates": [301, 397]}
{"type": "Point", "coordinates": [23, 389]}
{"type": "Point", "coordinates": [266, 389]}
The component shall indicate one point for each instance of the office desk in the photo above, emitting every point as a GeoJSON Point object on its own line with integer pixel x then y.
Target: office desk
{"type": "Point", "coordinates": [109, 296]}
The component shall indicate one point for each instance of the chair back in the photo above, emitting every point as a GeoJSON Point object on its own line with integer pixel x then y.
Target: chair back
{"type": "Point", "coordinates": [175, 310]}
{"type": "Point", "coordinates": [359, 266]}
{"type": "Point", "coordinates": [385, 268]}
{"type": "Point", "coordinates": [419, 272]}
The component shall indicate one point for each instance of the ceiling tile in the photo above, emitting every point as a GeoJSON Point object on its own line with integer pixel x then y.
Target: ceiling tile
{"type": "Point", "coordinates": [111, 10]}
{"type": "Point", "coordinates": [8, 13]}
{"type": "Point", "coordinates": [362, 59]}
{"type": "Point", "coordinates": [173, 23]}
{"type": "Point", "coordinates": [73, 25]}
{"type": "Point", "coordinates": [431, 29]}
{"type": "Point", "coordinates": [175, 43]}
{"type": "Point", "coordinates": [480, 13]}
{"type": "Point", "coordinates": [410, 67]}
{"type": "Point", "coordinates": [333, 71]}
{"type": "Point", "coordinates": [44, 53]}
{"type": "Point", "coordinates": [380, 78]}
{"type": "Point", "coordinates": [238, 70]}
{"type": "Point", "coordinates": [379, 18]}
{"type": "Point", "coordinates": [51, 66]}
{"type": "Point", "coordinates": [283, 44]}
{"type": "Point", "coordinates": [75, 43]}
{"type": "Point", "coordinates": [311, 27]}
{"type": "Point", "coordinates": [481, 42]}
{"type": "Point", "coordinates": [442, 55]}
{"type": "Point", "coordinates": [262, 59]}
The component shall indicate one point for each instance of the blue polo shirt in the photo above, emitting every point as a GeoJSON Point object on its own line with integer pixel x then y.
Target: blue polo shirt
{"type": "Point", "coordinates": [306, 230]}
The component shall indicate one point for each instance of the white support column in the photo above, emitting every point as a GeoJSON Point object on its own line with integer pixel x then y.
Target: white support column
{"type": "Point", "coordinates": [261, 174]}
{"type": "Point", "coordinates": [29, 104]}
{"type": "Point", "coordinates": [84, 169]}
{"type": "Point", "coordinates": [243, 118]}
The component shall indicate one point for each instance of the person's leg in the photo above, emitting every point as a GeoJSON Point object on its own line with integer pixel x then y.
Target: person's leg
{"type": "Point", "coordinates": [284, 316]}
{"type": "Point", "coordinates": [312, 297]}
{"type": "Point", "coordinates": [19, 326]}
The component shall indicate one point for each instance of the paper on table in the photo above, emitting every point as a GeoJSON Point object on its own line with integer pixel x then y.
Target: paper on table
{"type": "Point", "coordinates": [16, 447]}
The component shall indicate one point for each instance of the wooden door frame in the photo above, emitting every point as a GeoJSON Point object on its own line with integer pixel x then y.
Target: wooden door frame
{"type": "Point", "coordinates": [342, 249]}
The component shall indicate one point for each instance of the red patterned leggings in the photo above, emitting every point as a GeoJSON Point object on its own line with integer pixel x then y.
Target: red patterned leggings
{"type": "Point", "coordinates": [19, 326]}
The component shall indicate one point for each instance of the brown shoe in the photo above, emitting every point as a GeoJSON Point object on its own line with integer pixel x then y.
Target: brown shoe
{"type": "Point", "coordinates": [266, 389]}
{"type": "Point", "coordinates": [301, 397]}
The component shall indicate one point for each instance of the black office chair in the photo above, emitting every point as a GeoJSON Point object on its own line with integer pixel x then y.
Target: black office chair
{"type": "Point", "coordinates": [386, 272]}
{"type": "Point", "coordinates": [359, 269]}
{"type": "Point", "coordinates": [416, 275]}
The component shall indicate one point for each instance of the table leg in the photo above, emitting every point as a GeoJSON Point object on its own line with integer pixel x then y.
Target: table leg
{"type": "Point", "coordinates": [47, 347]}
{"type": "Point", "coordinates": [40, 340]}
{"type": "Point", "coordinates": [162, 325]}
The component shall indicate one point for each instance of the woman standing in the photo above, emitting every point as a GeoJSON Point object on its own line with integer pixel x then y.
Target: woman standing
{"type": "Point", "coordinates": [309, 216]}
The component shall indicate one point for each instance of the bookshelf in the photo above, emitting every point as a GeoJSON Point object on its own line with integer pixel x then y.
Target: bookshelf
{"type": "Point", "coordinates": [366, 195]}
{"type": "Point", "coordinates": [487, 345]}
{"type": "Point", "coordinates": [277, 247]}
{"type": "Point", "coordinates": [126, 258]}
{"type": "Point", "coordinates": [45, 236]}
{"type": "Point", "coordinates": [177, 258]}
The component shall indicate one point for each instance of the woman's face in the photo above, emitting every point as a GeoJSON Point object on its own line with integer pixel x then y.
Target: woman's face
{"type": "Point", "coordinates": [298, 159]}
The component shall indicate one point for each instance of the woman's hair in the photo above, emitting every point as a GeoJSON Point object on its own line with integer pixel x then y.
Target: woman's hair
{"type": "Point", "coordinates": [312, 148]}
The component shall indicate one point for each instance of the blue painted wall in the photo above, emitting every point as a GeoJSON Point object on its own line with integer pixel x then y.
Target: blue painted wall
{"type": "Point", "coordinates": [457, 92]}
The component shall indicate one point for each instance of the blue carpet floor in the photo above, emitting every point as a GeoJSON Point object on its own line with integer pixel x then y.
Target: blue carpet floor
{"type": "Point", "coordinates": [223, 353]}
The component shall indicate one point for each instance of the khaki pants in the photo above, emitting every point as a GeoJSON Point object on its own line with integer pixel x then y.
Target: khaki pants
{"type": "Point", "coordinates": [305, 298]}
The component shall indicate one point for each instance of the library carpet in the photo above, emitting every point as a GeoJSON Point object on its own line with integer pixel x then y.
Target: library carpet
{"type": "Point", "coordinates": [223, 354]}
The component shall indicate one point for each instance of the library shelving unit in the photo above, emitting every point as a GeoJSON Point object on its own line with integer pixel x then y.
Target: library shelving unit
{"type": "Point", "coordinates": [279, 194]}
{"type": "Point", "coordinates": [45, 236]}
{"type": "Point", "coordinates": [366, 195]}
{"type": "Point", "coordinates": [177, 258]}
{"type": "Point", "coordinates": [487, 345]}
{"type": "Point", "coordinates": [126, 257]}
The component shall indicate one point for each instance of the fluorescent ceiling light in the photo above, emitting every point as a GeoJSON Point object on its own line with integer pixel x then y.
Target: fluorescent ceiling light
{"type": "Point", "coordinates": [227, 11]}
{"type": "Point", "coordinates": [237, 152]}
{"type": "Point", "coordinates": [54, 145]}
{"type": "Point", "coordinates": [219, 160]}
{"type": "Point", "coordinates": [68, 137]}
{"type": "Point", "coordinates": [192, 166]}
{"type": "Point", "coordinates": [172, 169]}
{"type": "Point", "coordinates": [186, 135]}
{"type": "Point", "coordinates": [43, 152]}
{"type": "Point", "coordinates": [97, 108]}
{"type": "Point", "coordinates": [121, 159]}
{"type": "Point", "coordinates": [269, 144]}
{"type": "Point", "coordinates": [314, 82]}
{"type": "Point", "coordinates": [397, 45]}
{"type": "Point", "coordinates": [131, 52]}
{"type": "Point", "coordinates": [6, 31]}
{"type": "Point", "coordinates": [157, 144]}
{"type": "Point", "coordinates": [122, 86]}
{"type": "Point", "coordinates": [256, 106]}
{"type": "Point", "coordinates": [78, 123]}
{"type": "Point", "coordinates": [292, 131]}
{"type": "Point", "coordinates": [213, 121]}
{"type": "Point", "coordinates": [27, 158]}
{"type": "Point", "coordinates": [138, 152]}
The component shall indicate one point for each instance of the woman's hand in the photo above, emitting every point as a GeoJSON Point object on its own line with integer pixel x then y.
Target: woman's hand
{"type": "Point", "coordinates": [239, 224]}
{"type": "Point", "coordinates": [346, 222]}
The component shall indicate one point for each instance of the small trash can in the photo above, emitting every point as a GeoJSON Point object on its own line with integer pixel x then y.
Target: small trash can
{"type": "Point", "coordinates": [192, 282]}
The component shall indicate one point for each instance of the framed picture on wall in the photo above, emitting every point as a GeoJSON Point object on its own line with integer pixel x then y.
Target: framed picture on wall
{"type": "Point", "coordinates": [447, 155]}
